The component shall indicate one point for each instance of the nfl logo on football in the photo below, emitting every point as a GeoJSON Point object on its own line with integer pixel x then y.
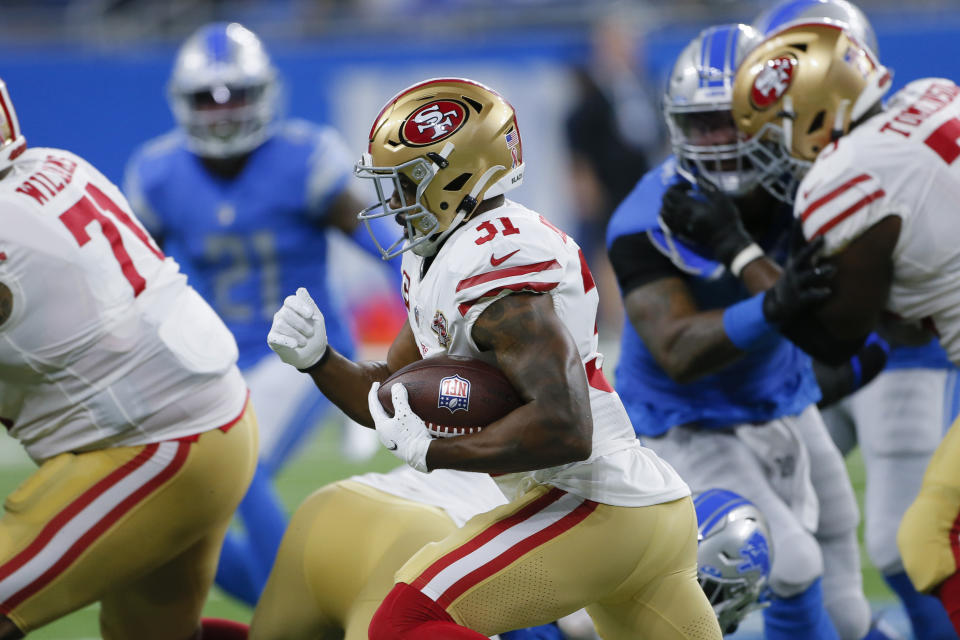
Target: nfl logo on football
{"type": "Point", "coordinates": [454, 394]}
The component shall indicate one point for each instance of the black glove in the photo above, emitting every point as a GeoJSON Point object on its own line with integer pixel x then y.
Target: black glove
{"type": "Point", "coordinates": [707, 218]}
{"type": "Point", "coordinates": [837, 382]}
{"type": "Point", "coordinates": [805, 282]}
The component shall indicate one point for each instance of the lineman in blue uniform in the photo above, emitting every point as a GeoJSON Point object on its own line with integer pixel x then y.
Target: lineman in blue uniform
{"type": "Point", "coordinates": [244, 201]}
{"type": "Point", "coordinates": [727, 400]}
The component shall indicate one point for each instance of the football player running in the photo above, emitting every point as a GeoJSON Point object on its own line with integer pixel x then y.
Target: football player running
{"type": "Point", "coordinates": [244, 201]}
{"type": "Point", "coordinates": [899, 419]}
{"type": "Point", "coordinates": [724, 406]}
{"type": "Point", "coordinates": [593, 519]}
{"type": "Point", "coordinates": [878, 185]}
{"type": "Point", "coordinates": [121, 384]}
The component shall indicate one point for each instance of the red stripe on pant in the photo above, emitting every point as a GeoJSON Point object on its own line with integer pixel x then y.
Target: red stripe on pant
{"type": "Point", "coordinates": [91, 535]}
{"type": "Point", "coordinates": [486, 535]}
{"type": "Point", "coordinates": [515, 552]}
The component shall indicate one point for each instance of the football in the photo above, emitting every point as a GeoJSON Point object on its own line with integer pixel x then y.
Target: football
{"type": "Point", "coordinates": [454, 395]}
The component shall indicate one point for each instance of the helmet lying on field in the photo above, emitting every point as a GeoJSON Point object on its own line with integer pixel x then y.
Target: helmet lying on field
{"type": "Point", "coordinates": [734, 555]}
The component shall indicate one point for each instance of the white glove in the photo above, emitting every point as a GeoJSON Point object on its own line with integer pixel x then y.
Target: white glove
{"type": "Point", "coordinates": [405, 435]}
{"type": "Point", "coordinates": [298, 334]}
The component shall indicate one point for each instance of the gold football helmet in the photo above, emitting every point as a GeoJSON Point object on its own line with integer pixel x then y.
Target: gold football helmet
{"type": "Point", "coordinates": [12, 142]}
{"type": "Point", "coordinates": [457, 142]}
{"type": "Point", "coordinates": [798, 91]}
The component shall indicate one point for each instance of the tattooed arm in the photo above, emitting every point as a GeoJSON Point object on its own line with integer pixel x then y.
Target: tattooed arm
{"type": "Point", "coordinates": [686, 342]}
{"type": "Point", "coordinates": [6, 303]}
{"type": "Point", "coordinates": [536, 352]}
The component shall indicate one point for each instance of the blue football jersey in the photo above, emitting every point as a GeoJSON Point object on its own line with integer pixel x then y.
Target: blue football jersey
{"type": "Point", "coordinates": [773, 380]}
{"type": "Point", "coordinates": [247, 242]}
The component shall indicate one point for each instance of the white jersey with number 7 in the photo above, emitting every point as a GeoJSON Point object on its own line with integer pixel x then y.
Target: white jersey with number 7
{"type": "Point", "coordinates": [106, 344]}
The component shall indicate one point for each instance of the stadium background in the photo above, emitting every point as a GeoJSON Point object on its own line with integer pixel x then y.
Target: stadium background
{"type": "Point", "coordinates": [89, 76]}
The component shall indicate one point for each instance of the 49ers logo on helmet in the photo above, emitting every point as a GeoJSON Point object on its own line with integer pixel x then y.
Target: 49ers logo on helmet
{"type": "Point", "coordinates": [772, 82]}
{"type": "Point", "coordinates": [432, 122]}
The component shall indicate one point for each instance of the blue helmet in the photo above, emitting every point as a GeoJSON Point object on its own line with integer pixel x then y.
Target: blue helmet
{"type": "Point", "coordinates": [223, 90]}
{"type": "Point", "coordinates": [734, 555]}
{"type": "Point", "coordinates": [836, 12]}
{"type": "Point", "coordinates": [697, 104]}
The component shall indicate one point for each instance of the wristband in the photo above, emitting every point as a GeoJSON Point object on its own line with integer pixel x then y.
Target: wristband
{"type": "Point", "coordinates": [747, 255]}
{"type": "Point", "coordinates": [319, 363]}
{"type": "Point", "coordinates": [746, 325]}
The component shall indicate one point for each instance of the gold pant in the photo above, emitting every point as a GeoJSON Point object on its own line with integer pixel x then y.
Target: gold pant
{"type": "Point", "coordinates": [137, 528]}
{"type": "Point", "coordinates": [927, 536]}
{"type": "Point", "coordinates": [337, 561]}
{"type": "Point", "coordinates": [550, 553]}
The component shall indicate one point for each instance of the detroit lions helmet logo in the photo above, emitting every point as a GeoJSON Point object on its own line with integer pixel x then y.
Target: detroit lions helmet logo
{"type": "Point", "coordinates": [433, 122]}
{"type": "Point", "coordinates": [772, 82]}
{"type": "Point", "coordinates": [756, 555]}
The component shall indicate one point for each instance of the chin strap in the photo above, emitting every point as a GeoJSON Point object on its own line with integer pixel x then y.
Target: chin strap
{"type": "Point", "coordinates": [788, 115]}
{"type": "Point", "coordinates": [878, 85]}
{"type": "Point", "coordinates": [838, 121]}
{"type": "Point", "coordinates": [467, 205]}
{"type": "Point", "coordinates": [512, 179]}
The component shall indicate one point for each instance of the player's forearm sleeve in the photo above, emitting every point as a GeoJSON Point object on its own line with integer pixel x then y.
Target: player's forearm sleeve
{"type": "Point", "coordinates": [637, 262]}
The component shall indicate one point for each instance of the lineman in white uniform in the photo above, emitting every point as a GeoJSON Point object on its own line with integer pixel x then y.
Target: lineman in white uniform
{"type": "Point", "coordinates": [122, 385]}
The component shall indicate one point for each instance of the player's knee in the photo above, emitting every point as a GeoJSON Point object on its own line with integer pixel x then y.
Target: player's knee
{"type": "Point", "coordinates": [8, 630]}
{"type": "Point", "coordinates": [794, 571]}
{"type": "Point", "coordinates": [839, 513]}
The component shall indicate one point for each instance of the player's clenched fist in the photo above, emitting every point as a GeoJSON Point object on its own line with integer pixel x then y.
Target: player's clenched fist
{"type": "Point", "coordinates": [298, 334]}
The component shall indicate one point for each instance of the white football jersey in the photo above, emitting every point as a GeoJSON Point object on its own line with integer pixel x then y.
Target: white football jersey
{"type": "Point", "coordinates": [904, 162]}
{"type": "Point", "coordinates": [509, 249]}
{"type": "Point", "coordinates": [107, 345]}
{"type": "Point", "coordinates": [461, 494]}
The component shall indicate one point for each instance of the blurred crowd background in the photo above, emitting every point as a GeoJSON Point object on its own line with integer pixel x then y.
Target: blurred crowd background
{"type": "Point", "coordinates": [585, 76]}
